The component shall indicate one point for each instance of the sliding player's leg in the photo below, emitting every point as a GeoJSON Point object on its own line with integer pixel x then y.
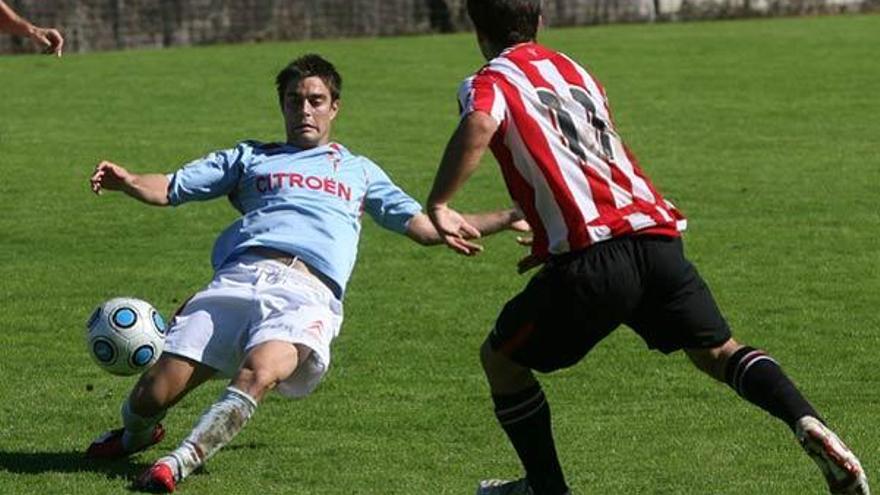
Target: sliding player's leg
{"type": "Point", "coordinates": [264, 367]}
{"type": "Point", "coordinates": [157, 390]}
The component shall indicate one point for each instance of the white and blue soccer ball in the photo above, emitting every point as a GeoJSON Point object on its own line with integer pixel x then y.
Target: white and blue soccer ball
{"type": "Point", "coordinates": [125, 335]}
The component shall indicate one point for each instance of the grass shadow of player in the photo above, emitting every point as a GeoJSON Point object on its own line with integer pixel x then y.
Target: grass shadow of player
{"type": "Point", "coordinates": [127, 469]}
{"type": "Point", "coordinates": [69, 462]}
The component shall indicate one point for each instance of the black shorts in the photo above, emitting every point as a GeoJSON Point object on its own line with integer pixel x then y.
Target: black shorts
{"type": "Point", "coordinates": [577, 299]}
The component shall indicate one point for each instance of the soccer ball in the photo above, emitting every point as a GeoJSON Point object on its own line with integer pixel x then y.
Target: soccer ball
{"type": "Point", "coordinates": [125, 335]}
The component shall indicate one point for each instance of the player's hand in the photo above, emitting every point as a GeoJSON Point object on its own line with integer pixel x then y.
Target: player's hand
{"type": "Point", "coordinates": [455, 230]}
{"type": "Point", "coordinates": [525, 240]}
{"type": "Point", "coordinates": [530, 261]}
{"type": "Point", "coordinates": [50, 40]}
{"type": "Point", "coordinates": [523, 227]}
{"type": "Point", "coordinates": [110, 176]}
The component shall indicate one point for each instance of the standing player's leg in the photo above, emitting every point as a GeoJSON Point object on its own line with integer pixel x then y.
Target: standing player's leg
{"type": "Point", "coordinates": [157, 390]}
{"type": "Point", "coordinates": [759, 379]}
{"type": "Point", "coordinates": [524, 414]}
{"type": "Point", "coordinates": [264, 366]}
{"type": "Point", "coordinates": [756, 377]}
{"type": "Point", "coordinates": [571, 305]}
{"type": "Point", "coordinates": [680, 313]}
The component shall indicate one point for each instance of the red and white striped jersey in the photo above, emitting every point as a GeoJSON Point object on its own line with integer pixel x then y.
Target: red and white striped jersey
{"type": "Point", "coordinates": [562, 159]}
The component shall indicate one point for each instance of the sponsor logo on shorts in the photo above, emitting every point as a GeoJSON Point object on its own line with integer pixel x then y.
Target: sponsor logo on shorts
{"type": "Point", "coordinates": [315, 328]}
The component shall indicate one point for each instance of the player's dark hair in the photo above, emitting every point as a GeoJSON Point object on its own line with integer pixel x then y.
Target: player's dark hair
{"type": "Point", "coordinates": [307, 66]}
{"type": "Point", "coordinates": [506, 22]}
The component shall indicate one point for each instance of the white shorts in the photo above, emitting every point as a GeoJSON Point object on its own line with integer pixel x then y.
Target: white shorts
{"type": "Point", "coordinates": [253, 300]}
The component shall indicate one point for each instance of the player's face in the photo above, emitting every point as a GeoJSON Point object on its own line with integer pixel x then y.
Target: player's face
{"type": "Point", "coordinates": [309, 110]}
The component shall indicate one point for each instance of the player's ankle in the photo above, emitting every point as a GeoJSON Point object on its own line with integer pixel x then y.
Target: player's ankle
{"type": "Point", "coordinates": [174, 463]}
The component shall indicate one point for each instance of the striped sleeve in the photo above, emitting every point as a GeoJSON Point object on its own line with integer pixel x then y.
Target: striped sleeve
{"type": "Point", "coordinates": [480, 93]}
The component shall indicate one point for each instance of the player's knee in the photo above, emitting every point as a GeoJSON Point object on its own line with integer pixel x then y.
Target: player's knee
{"type": "Point", "coordinates": [712, 360]}
{"type": "Point", "coordinates": [489, 358]}
{"type": "Point", "coordinates": [503, 373]}
{"type": "Point", "coordinates": [256, 381]}
{"type": "Point", "coordinates": [148, 397]}
{"type": "Point", "coordinates": [485, 349]}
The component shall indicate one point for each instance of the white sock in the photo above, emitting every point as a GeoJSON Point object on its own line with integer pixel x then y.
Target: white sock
{"type": "Point", "coordinates": [138, 429]}
{"type": "Point", "coordinates": [216, 428]}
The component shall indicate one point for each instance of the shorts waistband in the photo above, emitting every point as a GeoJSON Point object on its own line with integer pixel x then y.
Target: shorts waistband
{"type": "Point", "coordinates": [563, 258]}
{"type": "Point", "coordinates": [294, 262]}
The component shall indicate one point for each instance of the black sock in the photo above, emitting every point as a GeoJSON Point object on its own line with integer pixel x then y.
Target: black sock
{"type": "Point", "coordinates": [525, 417]}
{"type": "Point", "coordinates": [759, 379]}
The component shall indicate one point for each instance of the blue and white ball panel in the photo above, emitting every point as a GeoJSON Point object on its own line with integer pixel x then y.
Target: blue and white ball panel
{"type": "Point", "coordinates": [142, 356]}
{"type": "Point", "coordinates": [94, 318]}
{"type": "Point", "coordinates": [160, 323]}
{"type": "Point", "coordinates": [124, 318]}
{"type": "Point", "coordinates": [104, 351]}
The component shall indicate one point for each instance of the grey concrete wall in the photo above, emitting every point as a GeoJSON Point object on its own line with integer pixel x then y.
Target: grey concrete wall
{"type": "Point", "coordinates": [118, 24]}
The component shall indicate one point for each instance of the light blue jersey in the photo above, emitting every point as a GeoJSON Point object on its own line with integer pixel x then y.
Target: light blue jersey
{"type": "Point", "coordinates": [304, 202]}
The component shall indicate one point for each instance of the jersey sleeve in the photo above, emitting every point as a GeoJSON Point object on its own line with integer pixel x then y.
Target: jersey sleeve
{"type": "Point", "coordinates": [386, 203]}
{"type": "Point", "coordinates": [481, 93]}
{"type": "Point", "coordinates": [211, 176]}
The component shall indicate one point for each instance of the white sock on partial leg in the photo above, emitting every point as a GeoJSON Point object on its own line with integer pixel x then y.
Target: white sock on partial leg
{"type": "Point", "coordinates": [138, 429]}
{"type": "Point", "coordinates": [216, 428]}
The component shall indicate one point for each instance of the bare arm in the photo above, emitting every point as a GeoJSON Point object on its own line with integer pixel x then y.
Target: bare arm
{"type": "Point", "coordinates": [421, 230]}
{"type": "Point", "coordinates": [461, 158]}
{"type": "Point", "coordinates": [492, 222]}
{"type": "Point", "coordinates": [148, 188]}
{"type": "Point", "coordinates": [50, 40]}
{"type": "Point", "coordinates": [12, 23]}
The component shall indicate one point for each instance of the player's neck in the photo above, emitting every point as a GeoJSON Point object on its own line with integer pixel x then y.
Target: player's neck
{"type": "Point", "coordinates": [307, 145]}
{"type": "Point", "coordinates": [491, 51]}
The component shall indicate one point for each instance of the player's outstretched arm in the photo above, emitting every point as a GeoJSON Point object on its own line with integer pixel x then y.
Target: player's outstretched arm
{"type": "Point", "coordinates": [461, 157]}
{"type": "Point", "coordinates": [149, 188]}
{"type": "Point", "coordinates": [422, 230]}
{"type": "Point", "coordinates": [50, 40]}
{"type": "Point", "coordinates": [492, 222]}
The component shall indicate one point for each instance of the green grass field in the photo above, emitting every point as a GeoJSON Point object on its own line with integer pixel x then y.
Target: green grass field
{"type": "Point", "coordinates": [764, 132]}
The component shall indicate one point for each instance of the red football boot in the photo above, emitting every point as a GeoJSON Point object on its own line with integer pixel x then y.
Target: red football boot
{"type": "Point", "coordinates": [109, 445]}
{"type": "Point", "coordinates": [158, 479]}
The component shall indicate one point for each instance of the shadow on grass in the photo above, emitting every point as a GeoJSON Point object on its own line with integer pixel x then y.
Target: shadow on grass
{"type": "Point", "coordinates": [75, 462]}
{"type": "Point", "coordinates": [68, 462]}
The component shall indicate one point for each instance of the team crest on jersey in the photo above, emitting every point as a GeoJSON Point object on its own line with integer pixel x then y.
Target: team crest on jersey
{"type": "Point", "coordinates": [335, 157]}
{"type": "Point", "coordinates": [335, 160]}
